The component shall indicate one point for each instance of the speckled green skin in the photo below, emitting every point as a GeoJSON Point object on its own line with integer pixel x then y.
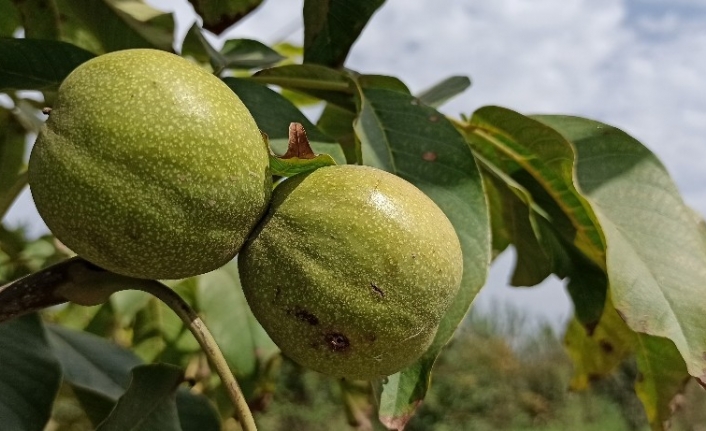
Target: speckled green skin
{"type": "Point", "coordinates": [351, 271]}
{"type": "Point", "coordinates": [149, 166]}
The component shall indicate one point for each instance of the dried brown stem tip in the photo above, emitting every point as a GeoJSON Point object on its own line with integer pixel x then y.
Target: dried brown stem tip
{"type": "Point", "coordinates": [298, 143]}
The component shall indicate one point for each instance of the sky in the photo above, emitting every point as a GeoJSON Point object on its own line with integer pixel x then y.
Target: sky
{"type": "Point", "coordinates": [639, 65]}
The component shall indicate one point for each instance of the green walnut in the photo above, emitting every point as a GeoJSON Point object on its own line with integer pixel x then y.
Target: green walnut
{"type": "Point", "coordinates": [351, 271]}
{"type": "Point", "coordinates": [149, 166]}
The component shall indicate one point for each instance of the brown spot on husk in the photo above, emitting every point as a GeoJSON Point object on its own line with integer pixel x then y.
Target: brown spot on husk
{"type": "Point", "coordinates": [377, 290]}
{"type": "Point", "coordinates": [305, 316]}
{"type": "Point", "coordinates": [606, 346]}
{"type": "Point", "coordinates": [337, 342]}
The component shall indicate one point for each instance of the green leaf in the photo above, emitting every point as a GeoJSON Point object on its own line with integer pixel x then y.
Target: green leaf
{"type": "Point", "coordinates": [159, 334]}
{"type": "Point", "coordinates": [532, 168]}
{"type": "Point", "coordinates": [338, 123]}
{"type": "Point", "coordinates": [332, 26]}
{"type": "Point", "coordinates": [235, 54]}
{"type": "Point", "coordinates": [219, 15]}
{"type": "Point", "coordinates": [272, 112]}
{"type": "Point", "coordinates": [118, 24]}
{"type": "Point", "coordinates": [31, 375]}
{"type": "Point", "coordinates": [12, 151]}
{"type": "Point", "coordinates": [127, 304]}
{"type": "Point", "coordinates": [99, 372]}
{"type": "Point", "coordinates": [662, 375]}
{"type": "Point", "coordinates": [403, 392]}
{"type": "Point", "coordinates": [40, 18]}
{"type": "Point", "coordinates": [313, 80]}
{"type": "Point", "coordinates": [500, 233]}
{"type": "Point", "coordinates": [520, 220]}
{"type": "Point", "coordinates": [656, 258]}
{"type": "Point", "coordinates": [381, 82]}
{"type": "Point", "coordinates": [9, 18]}
{"type": "Point", "coordinates": [91, 362]}
{"type": "Point", "coordinates": [29, 64]}
{"type": "Point", "coordinates": [244, 343]}
{"type": "Point", "coordinates": [419, 144]}
{"type": "Point", "coordinates": [440, 93]}
{"type": "Point", "coordinates": [597, 351]}
{"type": "Point", "coordinates": [357, 396]}
{"type": "Point", "coordinates": [292, 166]}
{"type": "Point", "coordinates": [149, 402]}
{"type": "Point", "coordinates": [548, 158]}
{"type": "Point", "coordinates": [196, 413]}
{"type": "Point", "coordinates": [248, 54]}
{"type": "Point", "coordinates": [196, 46]}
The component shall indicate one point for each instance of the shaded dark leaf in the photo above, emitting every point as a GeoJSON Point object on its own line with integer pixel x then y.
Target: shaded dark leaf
{"type": "Point", "coordinates": [31, 375]}
{"type": "Point", "coordinates": [40, 18]}
{"type": "Point", "coordinates": [273, 114]}
{"type": "Point", "coordinates": [219, 15]}
{"type": "Point", "coordinates": [9, 18]}
{"type": "Point", "coordinates": [12, 151]}
{"type": "Point", "coordinates": [149, 403]}
{"type": "Point", "coordinates": [332, 26]}
{"type": "Point", "coordinates": [196, 413]}
{"type": "Point", "coordinates": [117, 24]}
{"type": "Point", "coordinates": [338, 123]}
{"type": "Point", "coordinates": [196, 46]}
{"type": "Point", "coordinates": [30, 64]}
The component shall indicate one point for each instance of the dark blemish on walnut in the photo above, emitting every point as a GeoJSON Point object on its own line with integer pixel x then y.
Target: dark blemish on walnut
{"type": "Point", "coordinates": [306, 316]}
{"type": "Point", "coordinates": [336, 341]}
{"type": "Point", "coordinates": [134, 232]}
{"type": "Point", "coordinates": [606, 346]}
{"type": "Point", "coordinates": [377, 290]}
